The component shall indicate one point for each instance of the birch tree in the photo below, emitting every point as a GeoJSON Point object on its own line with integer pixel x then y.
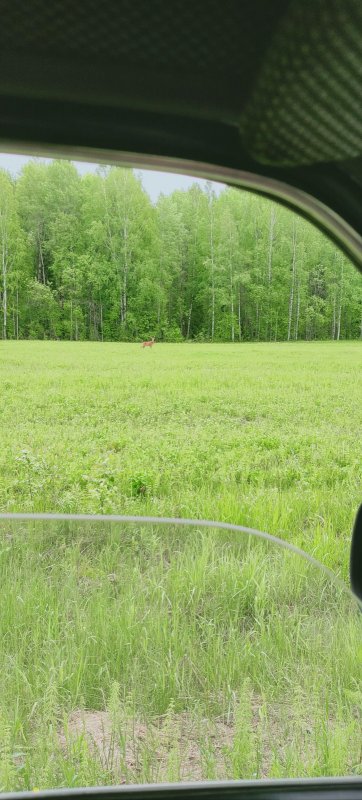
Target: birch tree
{"type": "Point", "coordinates": [11, 254]}
{"type": "Point", "coordinates": [93, 257]}
{"type": "Point", "coordinates": [293, 277]}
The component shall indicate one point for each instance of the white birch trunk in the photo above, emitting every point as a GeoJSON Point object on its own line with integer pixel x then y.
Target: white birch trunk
{"type": "Point", "coordinates": [298, 313]}
{"type": "Point", "coordinates": [292, 287]}
{"type": "Point", "coordinates": [271, 241]}
{"type": "Point", "coordinates": [4, 280]}
{"type": "Point", "coordinates": [189, 321]}
{"type": "Point", "coordinates": [340, 302]}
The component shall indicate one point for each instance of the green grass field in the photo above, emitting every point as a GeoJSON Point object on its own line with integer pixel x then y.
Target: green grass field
{"type": "Point", "coordinates": [141, 653]}
{"type": "Point", "coordinates": [261, 435]}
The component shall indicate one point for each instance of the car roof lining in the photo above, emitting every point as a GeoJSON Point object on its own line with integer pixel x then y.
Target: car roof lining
{"type": "Point", "coordinates": [271, 89]}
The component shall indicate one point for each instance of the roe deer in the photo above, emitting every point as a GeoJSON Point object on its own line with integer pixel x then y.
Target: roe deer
{"type": "Point", "coordinates": [148, 344]}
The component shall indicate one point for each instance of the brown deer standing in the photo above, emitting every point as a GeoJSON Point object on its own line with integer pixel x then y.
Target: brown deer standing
{"type": "Point", "coordinates": [148, 344]}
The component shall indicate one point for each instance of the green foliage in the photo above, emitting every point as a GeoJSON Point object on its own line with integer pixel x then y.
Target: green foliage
{"type": "Point", "coordinates": [92, 258]}
{"type": "Point", "coordinates": [149, 653]}
{"type": "Point", "coordinates": [140, 653]}
{"type": "Point", "coordinates": [265, 435]}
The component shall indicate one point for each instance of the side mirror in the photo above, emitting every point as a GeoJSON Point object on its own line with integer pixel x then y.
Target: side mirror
{"type": "Point", "coordinates": [355, 564]}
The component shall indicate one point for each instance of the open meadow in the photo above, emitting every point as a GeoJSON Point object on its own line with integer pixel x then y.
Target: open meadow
{"type": "Point", "coordinates": [264, 435]}
{"type": "Point", "coordinates": [136, 653]}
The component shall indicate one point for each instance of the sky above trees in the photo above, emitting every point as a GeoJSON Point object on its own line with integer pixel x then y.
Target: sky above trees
{"type": "Point", "coordinates": [155, 183]}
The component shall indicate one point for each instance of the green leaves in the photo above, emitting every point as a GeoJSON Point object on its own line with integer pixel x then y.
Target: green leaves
{"type": "Point", "coordinates": [92, 258]}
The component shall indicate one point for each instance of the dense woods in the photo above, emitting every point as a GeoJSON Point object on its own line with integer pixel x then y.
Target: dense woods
{"type": "Point", "coordinates": [92, 258]}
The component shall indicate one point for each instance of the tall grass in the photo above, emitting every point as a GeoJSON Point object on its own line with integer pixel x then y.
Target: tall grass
{"type": "Point", "coordinates": [141, 653]}
{"type": "Point", "coordinates": [260, 435]}
{"type": "Point", "coordinates": [164, 640]}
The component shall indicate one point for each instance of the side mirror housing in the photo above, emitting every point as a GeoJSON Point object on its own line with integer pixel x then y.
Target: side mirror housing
{"type": "Point", "coordinates": [355, 564]}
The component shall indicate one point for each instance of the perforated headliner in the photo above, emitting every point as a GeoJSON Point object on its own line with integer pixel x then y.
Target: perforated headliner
{"type": "Point", "coordinates": [270, 87]}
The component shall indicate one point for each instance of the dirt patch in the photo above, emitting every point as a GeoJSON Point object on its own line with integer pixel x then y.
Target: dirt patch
{"type": "Point", "coordinates": [183, 747]}
{"type": "Point", "coordinates": [177, 748]}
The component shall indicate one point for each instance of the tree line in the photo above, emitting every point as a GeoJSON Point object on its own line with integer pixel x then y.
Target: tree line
{"type": "Point", "coordinates": [92, 258]}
